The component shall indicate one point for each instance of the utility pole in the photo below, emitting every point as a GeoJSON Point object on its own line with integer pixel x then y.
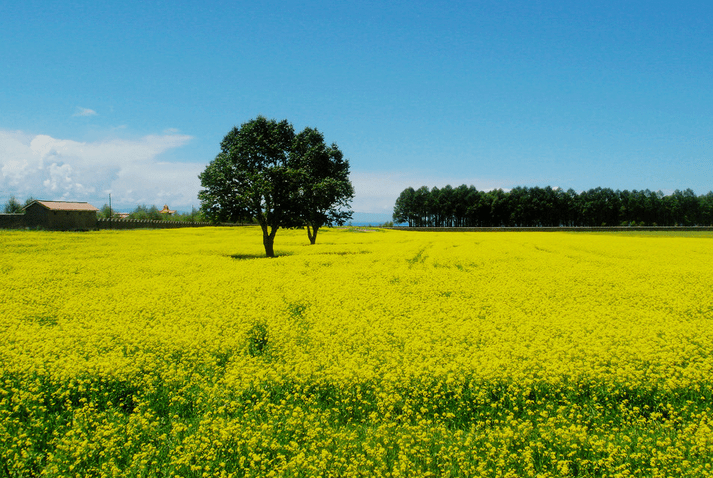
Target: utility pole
{"type": "Point", "coordinates": [110, 212]}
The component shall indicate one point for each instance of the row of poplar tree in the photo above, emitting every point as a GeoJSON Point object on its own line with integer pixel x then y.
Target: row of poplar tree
{"type": "Point", "coordinates": [465, 206]}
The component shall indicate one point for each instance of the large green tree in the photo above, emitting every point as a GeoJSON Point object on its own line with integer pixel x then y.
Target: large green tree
{"type": "Point", "coordinates": [324, 192]}
{"type": "Point", "coordinates": [267, 173]}
{"type": "Point", "coordinates": [251, 179]}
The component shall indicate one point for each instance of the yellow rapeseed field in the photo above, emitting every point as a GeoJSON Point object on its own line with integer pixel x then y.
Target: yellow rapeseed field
{"type": "Point", "coordinates": [372, 353]}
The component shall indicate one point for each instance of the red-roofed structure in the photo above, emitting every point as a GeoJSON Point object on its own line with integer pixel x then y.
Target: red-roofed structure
{"type": "Point", "coordinates": [65, 206]}
{"type": "Point", "coordinates": [61, 215]}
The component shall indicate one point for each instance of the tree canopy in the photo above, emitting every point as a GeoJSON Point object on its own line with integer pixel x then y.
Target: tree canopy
{"type": "Point", "coordinates": [267, 173]}
{"type": "Point", "coordinates": [324, 187]}
{"type": "Point", "coordinates": [536, 206]}
{"type": "Point", "coordinates": [12, 206]}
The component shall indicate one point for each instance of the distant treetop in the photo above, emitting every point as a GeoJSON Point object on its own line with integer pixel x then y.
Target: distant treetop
{"type": "Point", "coordinates": [465, 206]}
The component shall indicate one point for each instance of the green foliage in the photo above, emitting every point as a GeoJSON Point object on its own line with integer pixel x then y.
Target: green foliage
{"type": "Point", "coordinates": [536, 207]}
{"type": "Point", "coordinates": [325, 191]}
{"type": "Point", "coordinates": [266, 173]}
{"type": "Point", "coordinates": [257, 339]}
{"type": "Point", "coordinates": [105, 212]}
{"type": "Point", "coordinates": [194, 216]}
{"type": "Point", "coordinates": [251, 178]}
{"type": "Point", "coordinates": [146, 213]}
{"type": "Point", "coordinates": [12, 206]}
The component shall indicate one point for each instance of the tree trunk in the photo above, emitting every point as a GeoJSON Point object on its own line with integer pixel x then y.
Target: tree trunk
{"type": "Point", "coordinates": [268, 239]}
{"type": "Point", "coordinates": [268, 242]}
{"type": "Point", "coordinates": [312, 234]}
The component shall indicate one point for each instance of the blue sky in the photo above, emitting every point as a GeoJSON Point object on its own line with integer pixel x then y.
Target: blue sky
{"type": "Point", "coordinates": [133, 98]}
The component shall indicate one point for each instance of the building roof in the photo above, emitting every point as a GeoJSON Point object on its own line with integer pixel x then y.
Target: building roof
{"type": "Point", "coordinates": [166, 210]}
{"type": "Point", "coordinates": [64, 206]}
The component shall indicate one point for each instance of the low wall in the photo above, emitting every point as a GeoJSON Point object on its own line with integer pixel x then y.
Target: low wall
{"type": "Point", "coordinates": [19, 221]}
{"type": "Point", "coordinates": [104, 223]}
{"type": "Point", "coordinates": [12, 221]}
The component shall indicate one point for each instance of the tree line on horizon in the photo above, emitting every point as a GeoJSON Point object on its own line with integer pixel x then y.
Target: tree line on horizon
{"type": "Point", "coordinates": [152, 213]}
{"type": "Point", "coordinates": [465, 206]}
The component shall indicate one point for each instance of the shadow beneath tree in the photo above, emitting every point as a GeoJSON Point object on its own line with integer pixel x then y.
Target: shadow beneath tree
{"type": "Point", "coordinates": [341, 253]}
{"type": "Point", "coordinates": [240, 257]}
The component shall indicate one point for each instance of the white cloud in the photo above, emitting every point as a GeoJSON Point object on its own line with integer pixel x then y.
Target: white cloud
{"type": "Point", "coordinates": [376, 192]}
{"type": "Point", "coordinates": [60, 178]}
{"type": "Point", "coordinates": [51, 168]}
{"type": "Point", "coordinates": [79, 111]}
{"type": "Point", "coordinates": [134, 172]}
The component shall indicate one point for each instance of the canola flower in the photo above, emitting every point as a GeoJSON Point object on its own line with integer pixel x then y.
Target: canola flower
{"type": "Point", "coordinates": [372, 353]}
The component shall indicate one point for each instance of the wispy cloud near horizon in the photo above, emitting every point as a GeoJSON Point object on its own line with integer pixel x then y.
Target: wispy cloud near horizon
{"type": "Point", "coordinates": [376, 192]}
